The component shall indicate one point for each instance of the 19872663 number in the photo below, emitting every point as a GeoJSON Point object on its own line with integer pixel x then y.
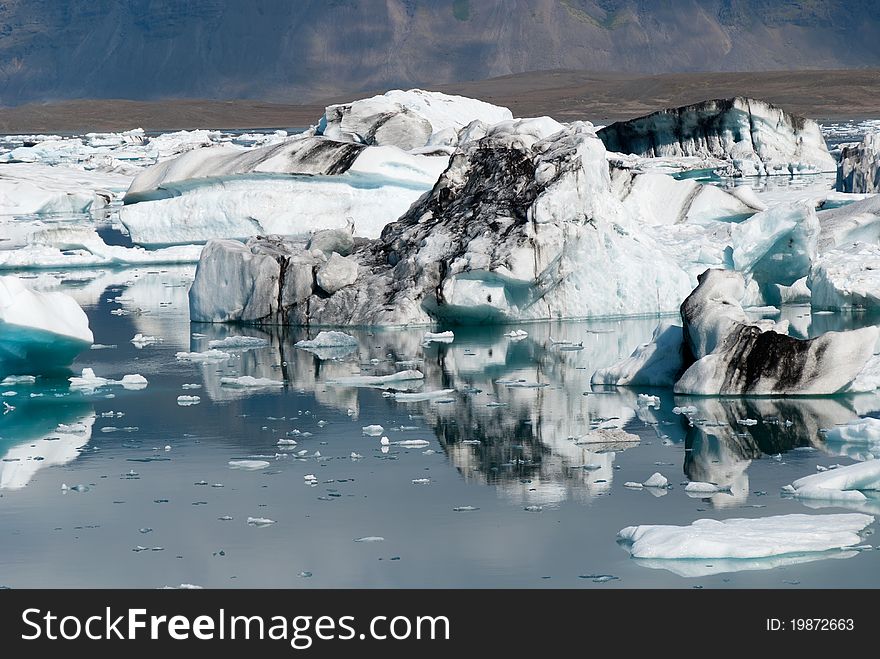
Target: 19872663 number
{"type": "Point", "coordinates": [810, 624]}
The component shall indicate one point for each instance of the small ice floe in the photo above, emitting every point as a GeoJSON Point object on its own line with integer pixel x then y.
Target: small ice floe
{"type": "Point", "coordinates": [259, 521]}
{"type": "Point", "coordinates": [421, 396]}
{"type": "Point", "coordinates": [374, 430]}
{"type": "Point", "coordinates": [633, 485]}
{"type": "Point", "coordinates": [864, 431]}
{"type": "Point", "coordinates": [607, 436]}
{"type": "Point", "coordinates": [599, 578]}
{"type": "Point", "coordinates": [516, 335]}
{"type": "Point", "coordinates": [464, 509]}
{"type": "Point", "coordinates": [656, 480]}
{"type": "Point", "coordinates": [370, 538]}
{"type": "Point", "coordinates": [101, 346]}
{"type": "Point", "coordinates": [533, 509]}
{"type": "Point", "coordinates": [13, 380]}
{"type": "Point", "coordinates": [843, 484]}
{"type": "Point", "coordinates": [186, 401]}
{"type": "Point", "coordinates": [409, 443]}
{"type": "Point", "coordinates": [438, 337]}
{"type": "Point", "coordinates": [329, 345]}
{"type": "Point", "coordinates": [646, 400]}
{"type": "Point", "coordinates": [701, 488]}
{"type": "Point", "coordinates": [212, 355]}
{"type": "Point", "coordinates": [250, 382]}
{"type": "Point", "coordinates": [183, 586]}
{"type": "Point", "coordinates": [689, 409]}
{"type": "Point", "coordinates": [286, 442]}
{"type": "Point", "coordinates": [409, 363]}
{"type": "Point", "coordinates": [746, 538]}
{"type": "Point", "coordinates": [238, 343]}
{"type": "Point", "coordinates": [88, 381]}
{"type": "Point", "coordinates": [377, 380]}
{"type": "Point", "coordinates": [421, 481]}
{"type": "Point", "coordinates": [248, 465]}
{"type": "Point", "coordinates": [747, 422]}
{"type": "Point", "coordinates": [142, 340]}
{"type": "Point", "coordinates": [190, 385]}
{"type": "Point", "coordinates": [225, 518]}
{"type": "Point", "coordinates": [522, 383]}
{"type": "Point", "coordinates": [310, 479]}
{"type": "Point", "coordinates": [356, 456]}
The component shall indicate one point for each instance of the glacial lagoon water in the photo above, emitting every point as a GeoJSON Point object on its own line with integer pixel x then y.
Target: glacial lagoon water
{"type": "Point", "coordinates": [125, 487]}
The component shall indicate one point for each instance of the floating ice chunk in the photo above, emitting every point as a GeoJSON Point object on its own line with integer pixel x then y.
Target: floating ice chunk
{"type": "Point", "coordinates": [687, 409]}
{"type": "Point", "coordinates": [699, 487]}
{"type": "Point", "coordinates": [42, 330]}
{"type": "Point", "coordinates": [328, 339]}
{"type": "Point", "coordinates": [421, 481]}
{"type": "Point", "coordinates": [607, 436]}
{"type": "Point", "coordinates": [439, 337]}
{"type": "Point", "coordinates": [861, 431]}
{"type": "Point", "coordinates": [12, 380]}
{"type": "Point", "coordinates": [373, 430]}
{"type": "Point", "coordinates": [186, 401]}
{"type": "Point", "coordinates": [646, 400]}
{"type": "Point", "coordinates": [516, 334]}
{"type": "Point", "coordinates": [633, 485]}
{"type": "Point", "coordinates": [411, 443]}
{"type": "Point", "coordinates": [377, 380]}
{"type": "Point", "coordinates": [142, 341]}
{"type": "Point", "coordinates": [88, 381]}
{"type": "Point", "coordinates": [840, 484]}
{"type": "Point", "coordinates": [250, 382]}
{"type": "Point", "coordinates": [259, 521]}
{"type": "Point", "coordinates": [212, 355]}
{"type": "Point", "coordinates": [746, 538]}
{"type": "Point", "coordinates": [656, 480]}
{"type": "Point", "coordinates": [747, 422]}
{"type": "Point", "coordinates": [464, 509]}
{"type": "Point", "coordinates": [370, 538]}
{"type": "Point", "coordinates": [420, 396]}
{"type": "Point", "coordinates": [248, 465]}
{"type": "Point", "coordinates": [238, 342]}
{"type": "Point", "coordinates": [286, 442]}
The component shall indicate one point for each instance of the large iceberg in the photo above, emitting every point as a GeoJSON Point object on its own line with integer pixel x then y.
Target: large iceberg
{"type": "Point", "coordinates": [291, 188]}
{"type": "Point", "coordinates": [408, 119]}
{"type": "Point", "coordinates": [522, 225]}
{"type": "Point", "coordinates": [753, 136]}
{"type": "Point", "coordinates": [859, 166]}
{"type": "Point", "coordinates": [42, 331]}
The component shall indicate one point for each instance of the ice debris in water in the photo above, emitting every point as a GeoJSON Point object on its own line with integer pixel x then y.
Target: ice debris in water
{"type": "Point", "coordinates": [646, 400]}
{"type": "Point", "coordinates": [747, 422]}
{"type": "Point", "coordinates": [259, 521]}
{"type": "Point", "coordinates": [464, 509]}
{"type": "Point", "coordinates": [88, 381]}
{"type": "Point", "coordinates": [746, 538]}
{"type": "Point", "coordinates": [212, 355]}
{"type": "Point", "coordinates": [250, 382]}
{"type": "Point", "coordinates": [186, 401]}
{"type": "Point", "coordinates": [248, 465]}
{"type": "Point", "coordinates": [373, 430]}
{"type": "Point", "coordinates": [700, 487]}
{"type": "Point", "coordinates": [238, 343]}
{"type": "Point", "coordinates": [413, 443]}
{"type": "Point", "coordinates": [439, 337]}
{"type": "Point", "coordinates": [12, 380]}
{"type": "Point", "coordinates": [421, 396]}
{"type": "Point", "coordinates": [840, 484]}
{"type": "Point", "coordinates": [690, 409]}
{"type": "Point", "coordinates": [327, 339]}
{"type": "Point", "coordinates": [421, 481]}
{"type": "Point", "coordinates": [190, 385]}
{"type": "Point", "coordinates": [377, 380]}
{"type": "Point", "coordinates": [142, 341]}
{"type": "Point", "coordinates": [370, 538]}
{"type": "Point", "coordinates": [656, 480]}
{"type": "Point", "coordinates": [516, 334]}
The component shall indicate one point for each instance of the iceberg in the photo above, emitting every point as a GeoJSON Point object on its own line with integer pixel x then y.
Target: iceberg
{"type": "Point", "coordinates": [89, 382]}
{"type": "Point", "coordinates": [846, 278]}
{"type": "Point", "coordinates": [864, 431]}
{"type": "Point", "coordinates": [730, 355]}
{"type": "Point", "coordinates": [517, 228]}
{"type": "Point", "coordinates": [292, 188]}
{"type": "Point", "coordinates": [329, 345]}
{"type": "Point", "coordinates": [408, 119]}
{"type": "Point", "coordinates": [779, 535]}
{"type": "Point", "coordinates": [753, 136]}
{"type": "Point", "coordinates": [858, 169]}
{"type": "Point", "coordinates": [44, 331]}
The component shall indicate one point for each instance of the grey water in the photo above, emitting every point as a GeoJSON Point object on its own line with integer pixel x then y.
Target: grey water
{"type": "Point", "coordinates": [127, 488]}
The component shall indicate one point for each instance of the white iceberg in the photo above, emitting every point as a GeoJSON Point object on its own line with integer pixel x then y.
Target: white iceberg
{"type": "Point", "coordinates": [89, 382]}
{"type": "Point", "coordinates": [838, 484]}
{"type": "Point", "coordinates": [42, 330]}
{"type": "Point", "coordinates": [408, 375]}
{"type": "Point", "coordinates": [250, 382]}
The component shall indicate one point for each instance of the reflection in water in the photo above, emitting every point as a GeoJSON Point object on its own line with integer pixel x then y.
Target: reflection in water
{"type": "Point", "coordinates": [725, 434]}
{"type": "Point", "coordinates": [692, 568]}
{"type": "Point", "coordinates": [42, 431]}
